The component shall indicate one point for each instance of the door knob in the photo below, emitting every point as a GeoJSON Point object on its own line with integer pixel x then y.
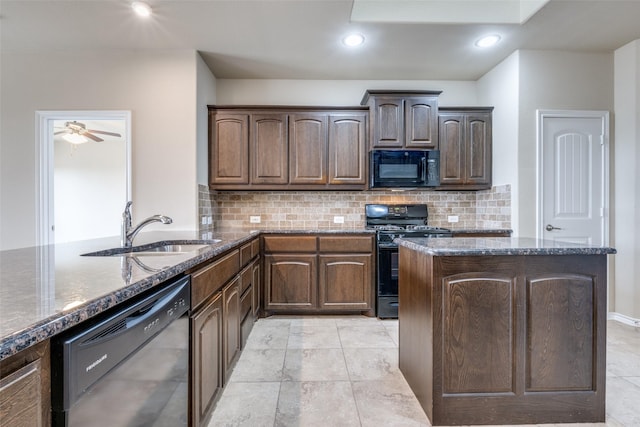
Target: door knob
{"type": "Point", "coordinates": [550, 227]}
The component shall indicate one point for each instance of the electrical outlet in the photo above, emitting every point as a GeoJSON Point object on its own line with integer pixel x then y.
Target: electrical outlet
{"type": "Point", "coordinates": [204, 220]}
{"type": "Point", "coordinates": [452, 218]}
{"type": "Point", "coordinates": [338, 220]}
{"type": "Point", "coordinates": [209, 220]}
{"type": "Point", "coordinates": [254, 219]}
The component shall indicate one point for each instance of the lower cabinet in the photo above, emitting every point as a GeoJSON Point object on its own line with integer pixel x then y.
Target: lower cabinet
{"type": "Point", "coordinates": [25, 388]}
{"type": "Point", "coordinates": [222, 318]}
{"type": "Point", "coordinates": [249, 289]}
{"type": "Point", "coordinates": [206, 363]}
{"type": "Point", "coordinates": [322, 273]}
{"type": "Point", "coordinates": [345, 281]}
{"type": "Point", "coordinates": [231, 325]}
{"type": "Point", "coordinates": [290, 281]}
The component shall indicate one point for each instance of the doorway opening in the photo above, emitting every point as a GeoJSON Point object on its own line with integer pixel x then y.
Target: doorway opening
{"type": "Point", "coordinates": [84, 177]}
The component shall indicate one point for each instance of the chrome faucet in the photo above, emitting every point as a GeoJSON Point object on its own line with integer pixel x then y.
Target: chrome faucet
{"type": "Point", "coordinates": [129, 232]}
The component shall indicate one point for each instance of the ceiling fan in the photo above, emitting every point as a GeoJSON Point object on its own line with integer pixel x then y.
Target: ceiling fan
{"type": "Point", "coordinates": [77, 133]}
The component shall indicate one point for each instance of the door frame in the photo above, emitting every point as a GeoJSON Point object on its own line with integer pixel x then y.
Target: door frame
{"type": "Point", "coordinates": [44, 161]}
{"type": "Point", "coordinates": [541, 115]}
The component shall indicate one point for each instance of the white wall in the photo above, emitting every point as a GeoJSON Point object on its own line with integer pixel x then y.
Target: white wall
{"type": "Point", "coordinates": [205, 95]}
{"type": "Point", "coordinates": [554, 80]}
{"type": "Point", "coordinates": [158, 86]}
{"type": "Point", "coordinates": [333, 92]}
{"type": "Point", "coordinates": [90, 188]}
{"type": "Point", "coordinates": [626, 296]}
{"type": "Point", "coordinates": [500, 88]}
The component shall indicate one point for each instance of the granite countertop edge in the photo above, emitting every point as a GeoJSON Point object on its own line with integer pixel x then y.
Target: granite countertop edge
{"type": "Point", "coordinates": [497, 246]}
{"type": "Point", "coordinates": [506, 231]}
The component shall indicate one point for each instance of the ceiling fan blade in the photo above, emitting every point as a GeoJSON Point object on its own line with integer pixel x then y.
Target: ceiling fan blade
{"type": "Point", "coordinates": [62, 131]}
{"type": "Point", "coordinates": [103, 132]}
{"type": "Point", "coordinates": [91, 136]}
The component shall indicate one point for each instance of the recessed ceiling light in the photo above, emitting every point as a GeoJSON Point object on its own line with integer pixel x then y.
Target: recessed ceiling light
{"type": "Point", "coordinates": [353, 40]}
{"type": "Point", "coordinates": [141, 8]}
{"type": "Point", "coordinates": [488, 41]}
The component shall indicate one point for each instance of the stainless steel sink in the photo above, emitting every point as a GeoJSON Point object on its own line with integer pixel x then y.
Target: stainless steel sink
{"type": "Point", "coordinates": [154, 249]}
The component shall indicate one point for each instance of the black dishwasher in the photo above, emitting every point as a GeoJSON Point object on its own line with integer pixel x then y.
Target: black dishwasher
{"type": "Point", "coordinates": [129, 367]}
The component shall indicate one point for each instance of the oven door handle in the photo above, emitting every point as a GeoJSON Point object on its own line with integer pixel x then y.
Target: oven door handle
{"type": "Point", "coordinates": [385, 246]}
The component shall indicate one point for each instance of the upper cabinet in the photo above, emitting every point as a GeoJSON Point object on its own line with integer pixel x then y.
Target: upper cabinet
{"type": "Point", "coordinates": [465, 148]}
{"type": "Point", "coordinates": [403, 119]}
{"type": "Point", "coordinates": [229, 148]}
{"type": "Point", "coordinates": [287, 148]}
{"type": "Point", "coordinates": [269, 149]}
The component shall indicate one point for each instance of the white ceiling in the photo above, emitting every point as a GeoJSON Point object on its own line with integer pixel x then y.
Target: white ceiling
{"type": "Point", "coordinates": [300, 39]}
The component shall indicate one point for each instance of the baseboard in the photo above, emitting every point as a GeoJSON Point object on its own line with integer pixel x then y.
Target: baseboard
{"type": "Point", "coordinates": [624, 319]}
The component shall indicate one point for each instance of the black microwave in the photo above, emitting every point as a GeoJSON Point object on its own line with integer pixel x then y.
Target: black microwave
{"type": "Point", "coordinates": [404, 168]}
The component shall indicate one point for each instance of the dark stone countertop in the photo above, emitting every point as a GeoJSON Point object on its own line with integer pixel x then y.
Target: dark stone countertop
{"type": "Point", "coordinates": [48, 289]}
{"type": "Point", "coordinates": [488, 246]}
{"type": "Point", "coordinates": [506, 231]}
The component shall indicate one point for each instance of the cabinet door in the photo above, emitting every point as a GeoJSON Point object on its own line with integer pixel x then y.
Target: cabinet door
{"type": "Point", "coordinates": [345, 281]}
{"type": "Point", "coordinates": [246, 302]}
{"type": "Point", "coordinates": [478, 149]}
{"type": "Point", "coordinates": [228, 148]}
{"type": "Point", "coordinates": [421, 125]}
{"type": "Point", "coordinates": [388, 123]}
{"type": "Point", "coordinates": [231, 325]}
{"type": "Point", "coordinates": [206, 362]}
{"type": "Point", "coordinates": [257, 288]}
{"type": "Point", "coordinates": [465, 149]}
{"type": "Point", "coordinates": [290, 281]}
{"type": "Point", "coordinates": [308, 148]}
{"type": "Point", "coordinates": [269, 149]}
{"type": "Point", "coordinates": [347, 149]}
{"type": "Point", "coordinates": [452, 149]}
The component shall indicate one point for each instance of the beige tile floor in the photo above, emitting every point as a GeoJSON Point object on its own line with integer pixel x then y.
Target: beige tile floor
{"type": "Point", "coordinates": [343, 371]}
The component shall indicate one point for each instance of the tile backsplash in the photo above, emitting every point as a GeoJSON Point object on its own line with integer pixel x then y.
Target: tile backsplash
{"type": "Point", "coordinates": [317, 209]}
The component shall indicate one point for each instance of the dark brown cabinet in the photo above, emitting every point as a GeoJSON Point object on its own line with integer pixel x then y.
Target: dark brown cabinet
{"type": "Point", "coordinates": [25, 388]}
{"type": "Point", "coordinates": [308, 148]}
{"type": "Point", "coordinates": [345, 281]}
{"type": "Point", "coordinates": [290, 281]}
{"type": "Point", "coordinates": [269, 149]}
{"type": "Point", "coordinates": [248, 288]}
{"type": "Point", "coordinates": [228, 148]}
{"type": "Point", "coordinates": [231, 325]}
{"type": "Point", "coordinates": [347, 149]}
{"type": "Point", "coordinates": [403, 119]}
{"type": "Point", "coordinates": [293, 148]}
{"type": "Point", "coordinates": [465, 148]}
{"type": "Point", "coordinates": [257, 288]}
{"type": "Point", "coordinates": [318, 273]}
{"type": "Point", "coordinates": [504, 339]}
{"type": "Point", "coordinates": [222, 294]}
{"type": "Point", "coordinates": [206, 362]}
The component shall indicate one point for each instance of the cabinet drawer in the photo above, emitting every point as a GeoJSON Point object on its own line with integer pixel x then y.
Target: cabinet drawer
{"type": "Point", "coordinates": [290, 243]}
{"type": "Point", "coordinates": [362, 244]}
{"type": "Point", "coordinates": [245, 254]}
{"type": "Point", "coordinates": [255, 248]}
{"type": "Point", "coordinates": [21, 396]}
{"type": "Point", "coordinates": [208, 280]}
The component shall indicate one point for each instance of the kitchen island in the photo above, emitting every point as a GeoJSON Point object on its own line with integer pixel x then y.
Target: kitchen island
{"type": "Point", "coordinates": [504, 330]}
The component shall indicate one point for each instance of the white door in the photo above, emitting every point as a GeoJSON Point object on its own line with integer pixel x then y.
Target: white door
{"type": "Point", "coordinates": [573, 176]}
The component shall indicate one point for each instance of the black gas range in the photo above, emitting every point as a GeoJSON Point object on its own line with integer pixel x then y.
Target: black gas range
{"type": "Point", "coordinates": [392, 222]}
